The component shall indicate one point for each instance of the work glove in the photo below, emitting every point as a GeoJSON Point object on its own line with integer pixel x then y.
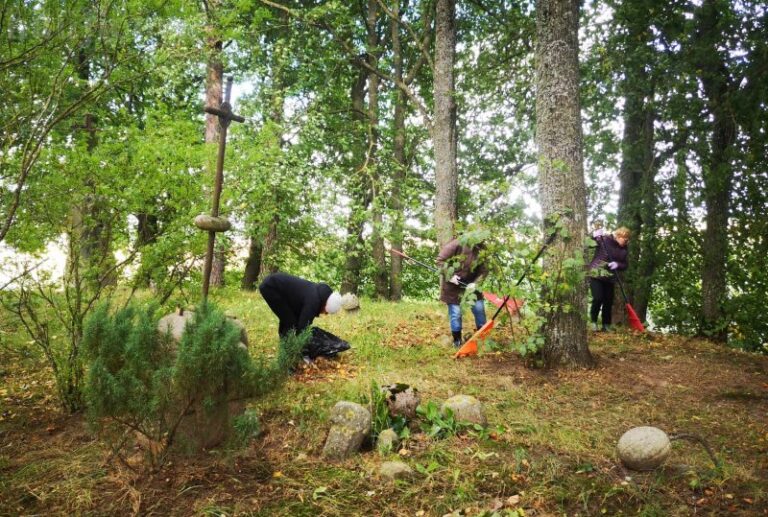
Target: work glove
{"type": "Point", "coordinates": [613, 266]}
{"type": "Point", "coordinates": [455, 280]}
{"type": "Point", "coordinates": [471, 286]}
{"type": "Point", "coordinates": [598, 233]}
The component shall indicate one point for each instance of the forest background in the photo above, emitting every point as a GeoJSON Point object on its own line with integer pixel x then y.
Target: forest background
{"type": "Point", "coordinates": [378, 124]}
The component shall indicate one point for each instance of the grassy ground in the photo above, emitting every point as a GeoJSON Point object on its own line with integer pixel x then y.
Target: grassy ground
{"type": "Point", "coordinates": [550, 449]}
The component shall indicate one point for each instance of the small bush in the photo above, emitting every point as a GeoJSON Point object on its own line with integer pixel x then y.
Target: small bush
{"type": "Point", "coordinates": [139, 380]}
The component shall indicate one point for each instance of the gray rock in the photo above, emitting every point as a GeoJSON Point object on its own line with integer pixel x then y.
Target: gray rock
{"type": "Point", "coordinates": [466, 409]}
{"type": "Point", "coordinates": [395, 470]}
{"type": "Point", "coordinates": [643, 448]}
{"type": "Point", "coordinates": [350, 426]}
{"type": "Point", "coordinates": [387, 441]}
{"type": "Point", "coordinates": [212, 224]}
{"type": "Point", "coordinates": [350, 302]}
{"type": "Point", "coordinates": [402, 400]}
{"type": "Point", "coordinates": [176, 321]}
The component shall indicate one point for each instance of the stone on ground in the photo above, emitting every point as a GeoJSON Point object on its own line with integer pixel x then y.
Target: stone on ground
{"type": "Point", "coordinates": [402, 400]}
{"type": "Point", "coordinates": [643, 448]}
{"type": "Point", "coordinates": [395, 470]}
{"type": "Point", "coordinates": [350, 426]}
{"type": "Point", "coordinates": [387, 441]}
{"type": "Point", "coordinates": [466, 409]}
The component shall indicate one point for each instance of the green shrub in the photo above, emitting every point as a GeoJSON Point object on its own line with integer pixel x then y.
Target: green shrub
{"type": "Point", "coordinates": [139, 380]}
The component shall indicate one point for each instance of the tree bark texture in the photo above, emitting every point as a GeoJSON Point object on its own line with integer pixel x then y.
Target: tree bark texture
{"type": "Point", "coordinates": [561, 172]}
{"type": "Point", "coordinates": [380, 277]}
{"type": "Point", "coordinates": [444, 135]}
{"type": "Point", "coordinates": [637, 193]}
{"type": "Point", "coordinates": [718, 170]}
{"type": "Point", "coordinates": [252, 265]}
{"type": "Point", "coordinates": [359, 194]}
{"type": "Point", "coordinates": [398, 155]}
{"type": "Point", "coordinates": [213, 97]}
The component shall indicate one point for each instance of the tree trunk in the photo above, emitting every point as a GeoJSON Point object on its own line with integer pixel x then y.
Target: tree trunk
{"type": "Point", "coordinates": [252, 265]}
{"type": "Point", "coordinates": [717, 171]}
{"type": "Point", "coordinates": [380, 277]}
{"type": "Point", "coordinates": [354, 245]}
{"type": "Point", "coordinates": [444, 128]}
{"type": "Point", "coordinates": [147, 231]}
{"type": "Point", "coordinates": [561, 173]}
{"type": "Point", "coordinates": [637, 193]}
{"type": "Point", "coordinates": [398, 152]}
{"type": "Point", "coordinates": [268, 264]}
{"type": "Point", "coordinates": [91, 220]}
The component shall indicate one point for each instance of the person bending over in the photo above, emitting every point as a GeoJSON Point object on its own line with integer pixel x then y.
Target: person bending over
{"type": "Point", "coordinates": [297, 302]}
{"type": "Point", "coordinates": [467, 270]}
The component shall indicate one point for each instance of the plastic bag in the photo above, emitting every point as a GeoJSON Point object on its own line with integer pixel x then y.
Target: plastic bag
{"type": "Point", "coordinates": [322, 342]}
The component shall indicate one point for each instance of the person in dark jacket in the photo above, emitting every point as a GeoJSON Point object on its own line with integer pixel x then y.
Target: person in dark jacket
{"type": "Point", "coordinates": [464, 271]}
{"type": "Point", "coordinates": [297, 302]}
{"type": "Point", "coordinates": [610, 257]}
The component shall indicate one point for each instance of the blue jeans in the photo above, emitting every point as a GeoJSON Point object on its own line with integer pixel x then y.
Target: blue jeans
{"type": "Point", "coordinates": [454, 315]}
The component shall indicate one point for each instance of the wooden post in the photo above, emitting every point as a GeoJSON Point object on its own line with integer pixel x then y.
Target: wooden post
{"type": "Point", "coordinates": [224, 112]}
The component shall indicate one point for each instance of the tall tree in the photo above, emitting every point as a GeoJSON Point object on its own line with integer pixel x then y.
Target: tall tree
{"type": "Point", "coordinates": [561, 173]}
{"type": "Point", "coordinates": [718, 170]}
{"type": "Point", "coordinates": [444, 134]}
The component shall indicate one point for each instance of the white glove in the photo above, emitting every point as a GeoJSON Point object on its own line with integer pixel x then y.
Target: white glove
{"type": "Point", "coordinates": [455, 280]}
{"type": "Point", "coordinates": [598, 233]}
{"type": "Point", "coordinates": [471, 286]}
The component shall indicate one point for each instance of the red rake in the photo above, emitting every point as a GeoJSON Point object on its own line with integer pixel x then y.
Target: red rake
{"type": "Point", "coordinates": [632, 318]}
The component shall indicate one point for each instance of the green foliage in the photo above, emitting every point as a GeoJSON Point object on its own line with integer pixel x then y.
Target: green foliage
{"type": "Point", "coordinates": [435, 423]}
{"type": "Point", "coordinates": [138, 379]}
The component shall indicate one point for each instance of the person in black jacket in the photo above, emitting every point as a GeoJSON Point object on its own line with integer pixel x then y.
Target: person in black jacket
{"type": "Point", "coordinates": [297, 302]}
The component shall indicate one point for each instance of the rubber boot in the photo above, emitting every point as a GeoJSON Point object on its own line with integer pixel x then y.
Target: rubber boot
{"type": "Point", "coordinates": [456, 338]}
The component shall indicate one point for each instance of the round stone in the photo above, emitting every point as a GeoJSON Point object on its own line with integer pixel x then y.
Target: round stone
{"type": "Point", "coordinates": [644, 448]}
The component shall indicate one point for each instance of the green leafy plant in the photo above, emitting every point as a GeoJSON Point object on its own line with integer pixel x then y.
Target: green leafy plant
{"type": "Point", "coordinates": [436, 423]}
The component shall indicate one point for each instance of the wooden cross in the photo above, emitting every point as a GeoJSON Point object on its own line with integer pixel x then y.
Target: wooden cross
{"type": "Point", "coordinates": [224, 112]}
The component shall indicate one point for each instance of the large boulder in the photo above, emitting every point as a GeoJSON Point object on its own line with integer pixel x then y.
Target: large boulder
{"type": "Point", "coordinates": [350, 426]}
{"type": "Point", "coordinates": [466, 409]}
{"type": "Point", "coordinates": [644, 448]}
{"type": "Point", "coordinates": [402, 400]}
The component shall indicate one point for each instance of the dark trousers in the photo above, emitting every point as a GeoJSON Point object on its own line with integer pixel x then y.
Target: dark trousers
{"type": "Point", "coordinates": [602, 298]}
{"type": "Point", "coordinates": [274, 299]}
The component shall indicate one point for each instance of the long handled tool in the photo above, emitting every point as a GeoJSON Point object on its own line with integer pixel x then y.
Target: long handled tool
{"type": "Point", "coordinates": [632, 318]}
{"type": "Point", "coordinates": [513, 306]}
{"type": "Point", "coordinates": [470, 347]}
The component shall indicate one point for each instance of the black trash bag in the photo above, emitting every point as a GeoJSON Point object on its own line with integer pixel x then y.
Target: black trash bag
{"type": "Point", "coordinates": [322, 342]}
